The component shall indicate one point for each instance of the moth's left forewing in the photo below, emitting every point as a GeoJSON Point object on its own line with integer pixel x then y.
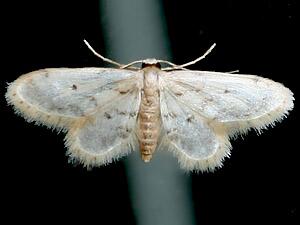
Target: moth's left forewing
{"type": "Point", "coordinates": [58, 97]}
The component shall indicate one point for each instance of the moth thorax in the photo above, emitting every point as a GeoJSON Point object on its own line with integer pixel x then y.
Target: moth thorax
{"type": "Point", "coordinates": [150, 63]}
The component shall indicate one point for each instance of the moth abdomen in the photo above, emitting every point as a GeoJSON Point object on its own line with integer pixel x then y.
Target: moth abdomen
{"type": "Point", "coordinates": [149, 115]}
{"type": "Point", "coordinates": [149, 131]}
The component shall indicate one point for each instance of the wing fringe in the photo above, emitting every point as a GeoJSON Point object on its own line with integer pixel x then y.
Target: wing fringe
{"type": "Point", "coordinates": [32, 113]}
{"type": "Point", "coordinates": [208, 164]}
{"type": "Point", "coordinates": [263, 122]}
{"type": "Point", "coordinates": [77, 154]}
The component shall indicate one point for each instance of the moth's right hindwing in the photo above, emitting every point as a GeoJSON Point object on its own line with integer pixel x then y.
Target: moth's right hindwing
{"type": "Point", "coordinates": [198, 143]}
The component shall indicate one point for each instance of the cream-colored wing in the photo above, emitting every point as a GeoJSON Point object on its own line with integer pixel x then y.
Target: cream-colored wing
{"type": "Point", "coordinates": [107, 135]}
{"type": "Point", "coordinates": [57, 97]}
{"type": "Point", "coordinates": [240, 102]}
{"type": "Point", "coordinates": [198, 144]}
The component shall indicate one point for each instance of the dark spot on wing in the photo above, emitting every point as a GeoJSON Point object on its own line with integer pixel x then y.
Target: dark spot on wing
{"type": "Point", "coordinates": [121, 112]}
{"type": "Point", "coordinates": [132, 114]}
{"type": "Point", "coordinates": [74, 87]}
{"type": "Point", "coordinates": [172, 134]}
{"type": "Point", "coordinates": [190, 118]}
{"type": "Point", "coordinates": [226, 91]}
{"type": "Point", "coordinates": [173, 115]}
{"type": "Point", "coordinates": [122, 92]}
{"type": "Point", "coordinates": [124, 132]}
{"type": "Point", "coordinates": [178, 93]}
{"type": "Point", "coordinates": [107, 115]}
{"type": "Point", "coordinates": [93, 99]}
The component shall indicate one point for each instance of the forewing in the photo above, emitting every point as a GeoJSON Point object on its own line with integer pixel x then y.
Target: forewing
{"type": "Point", "coordinates": [108, 135]}
{"type": "Point", "coordinates": [198, 144]}
{"type": "Point", "coordinates": [238, 101]}
{"type": "Point", "coordinates": [58, 97]}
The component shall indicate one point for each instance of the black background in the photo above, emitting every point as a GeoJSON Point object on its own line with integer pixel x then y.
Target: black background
{"type": "Point", "coordinates": [257, 184]}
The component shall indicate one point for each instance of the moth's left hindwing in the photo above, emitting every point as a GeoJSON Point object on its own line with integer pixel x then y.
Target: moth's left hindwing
{"type": "Point", "coordinates": [109, 134]}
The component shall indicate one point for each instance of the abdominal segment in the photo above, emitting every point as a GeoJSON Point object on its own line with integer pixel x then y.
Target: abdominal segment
{"type": "Point", "coordinates": [149, 116]}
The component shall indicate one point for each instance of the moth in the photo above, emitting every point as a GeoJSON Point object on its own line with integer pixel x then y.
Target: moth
{"type": "Point", "coordinates": [109, 112]}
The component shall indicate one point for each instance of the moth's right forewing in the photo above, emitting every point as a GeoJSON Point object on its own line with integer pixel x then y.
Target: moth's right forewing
{"type": "Point", "coordinates": [57, 97]}
{"type": "Point", "coordinates": [239, 101]}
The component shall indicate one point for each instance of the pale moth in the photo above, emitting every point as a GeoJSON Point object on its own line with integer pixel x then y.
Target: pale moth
{"type": "Point", "coordinates": [107, 112]}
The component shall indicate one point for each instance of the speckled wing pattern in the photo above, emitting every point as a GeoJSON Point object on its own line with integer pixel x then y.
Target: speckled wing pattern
{"type": "Point", "coordinates": [97, 107]}
{"type": "Point", "coordinates": [202, 110]}
{"type": "Point", "coordinates": [194, 140]}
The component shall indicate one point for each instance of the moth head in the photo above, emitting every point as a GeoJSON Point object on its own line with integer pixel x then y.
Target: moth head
{"type": "Point", "coordinates": [150, 63]}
